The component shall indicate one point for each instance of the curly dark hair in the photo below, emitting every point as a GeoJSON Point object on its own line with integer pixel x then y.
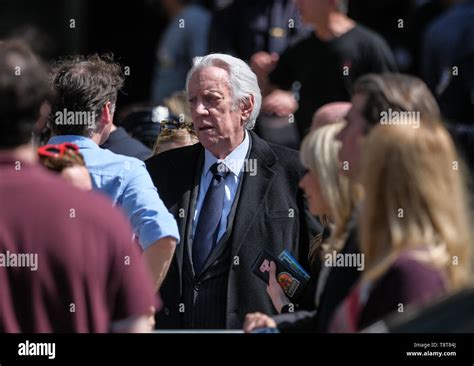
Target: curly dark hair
{"type": "Point", "coordinates": [23, 88]}
{"type": "Point", "coordinates": [84, 84]}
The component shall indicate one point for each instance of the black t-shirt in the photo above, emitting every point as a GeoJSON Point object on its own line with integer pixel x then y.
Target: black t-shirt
{"type": "Point", "coordinates": [327, 70]}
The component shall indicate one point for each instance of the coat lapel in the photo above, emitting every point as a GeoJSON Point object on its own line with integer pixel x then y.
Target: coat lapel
{"type": "Point", "coordinates": [192, 207]}
{"type": "Point", "coordinates": [254, 191]}
{"type": "Point", "coordinates": [187, 202]}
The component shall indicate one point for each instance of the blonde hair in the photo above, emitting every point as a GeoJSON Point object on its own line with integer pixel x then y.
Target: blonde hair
{"type": "Point", "coordinates": [178, 137]}
{"type": "Point", "coordinates": [178, 105]}
{"type": "Point", "coordinates": [320, 154]}
{"type": "Point", "coordinates": [415, 198]}
{"type": "Point", "coordinates": [182, 135]}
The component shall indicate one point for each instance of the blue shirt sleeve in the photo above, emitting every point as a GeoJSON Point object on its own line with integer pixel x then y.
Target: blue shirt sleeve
{"type": "Point", "coordinates": [148, 215]}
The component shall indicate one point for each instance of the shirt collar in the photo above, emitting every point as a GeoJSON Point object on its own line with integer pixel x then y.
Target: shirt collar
{"type": "Point", "coordinates": [234, 161]}
{"type": "Point", "coordinates": [81, 141]}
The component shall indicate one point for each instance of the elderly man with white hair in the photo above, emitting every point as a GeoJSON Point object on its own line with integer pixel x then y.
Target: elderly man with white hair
{"type": "Point", "coordinates": [232, 194]}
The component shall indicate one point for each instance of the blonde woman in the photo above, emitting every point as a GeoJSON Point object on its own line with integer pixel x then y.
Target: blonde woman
{"type": "Point", "coordinates": [174, 134]}
{"type": "Point", "coordinates": [179, 131]}
{"type": "Point", "coordinates": [414, 228]}
{"type": "Point", "coordinates": [331, 198]}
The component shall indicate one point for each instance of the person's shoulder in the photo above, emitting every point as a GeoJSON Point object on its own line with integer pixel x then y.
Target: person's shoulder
{"type": "Point", "coordinates": [412, 280]}
{"type": "Point", "coordinates": [285, 154]}
{"type": "Point", "coordinates": [408, 267]}
{"type": "Point", "coordinates": [61, 196]}
{"type": "Point", "coordinates": [364, 34]}
{"type": "Point", "coordinates": [127, 145]}
{"type": "Point", "coordinates": [196, 13]}
{"type": "Point", "coordinates": [454, 15]}
{"type": "Point", "coordinates": [286, 157]}
{"type": "Point", "coordinates": [437, 31]}
{"type": "Point", "coordinates": [127, 162]}
{"type": "Point", "coordinates": [98, 207]}
{"type": "Point", "coordinates": [173, 157]}
{"type": "Point", "coordinates": [407, 263]}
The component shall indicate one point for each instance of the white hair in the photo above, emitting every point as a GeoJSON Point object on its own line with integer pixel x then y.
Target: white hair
{"type": "Point", "coordinates": [243, 81]}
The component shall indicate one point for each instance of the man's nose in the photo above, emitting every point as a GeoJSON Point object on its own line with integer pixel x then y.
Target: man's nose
{"type": "Point", "coordinates": [201, 109]}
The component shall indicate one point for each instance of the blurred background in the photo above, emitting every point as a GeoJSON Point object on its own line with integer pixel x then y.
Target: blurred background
{"type": "Point", "coordinates": [132, 31]}
{"type": "Point", "coordinates": [426, 37]}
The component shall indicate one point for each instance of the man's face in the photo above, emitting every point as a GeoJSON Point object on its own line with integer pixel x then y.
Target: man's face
{"type": "Point", "coordinates": [312, 10]}
{"type": "Point", "coordinates": [218, 125]}
{"type": "Point", "coordinates": [351, 137]}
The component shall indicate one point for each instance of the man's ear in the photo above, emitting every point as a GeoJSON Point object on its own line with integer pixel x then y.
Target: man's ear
{"type": "Point", "coordinates": [107, 114]}
{"type": "Point", "coordinates": [247, 108]}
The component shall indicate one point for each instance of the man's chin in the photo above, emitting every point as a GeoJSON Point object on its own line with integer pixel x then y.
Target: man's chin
{"type": "Point", "coordinates": [207, 140]}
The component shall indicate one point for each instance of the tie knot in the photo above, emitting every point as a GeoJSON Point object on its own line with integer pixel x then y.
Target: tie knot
{"type": "Point", "coordinates": [219, 169]}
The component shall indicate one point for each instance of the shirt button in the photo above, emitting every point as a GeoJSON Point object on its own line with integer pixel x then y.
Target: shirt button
{"type": "Point", "coordinates": [197, 286]}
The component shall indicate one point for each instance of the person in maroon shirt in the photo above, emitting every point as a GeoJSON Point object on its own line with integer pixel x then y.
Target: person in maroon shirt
{"type": "Point", "coordinates": [67, 260]}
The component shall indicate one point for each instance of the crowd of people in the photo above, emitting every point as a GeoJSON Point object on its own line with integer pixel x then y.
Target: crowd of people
{"type": "Point", "coordinates": [101, 232]}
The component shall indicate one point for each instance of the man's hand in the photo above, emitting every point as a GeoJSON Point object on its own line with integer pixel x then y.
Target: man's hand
{"type": "Point", "coordinates": [136, 324]}
{"type": "Point", "coordinates": [263, 63]}
{"type": "Point", "coordinates": [258, 320]}
{"type": "Point", "coordinates": [159, 256]}
{"type": "Point", "coordinates": [275, 291]}
{"type": "Point", "coordinates": [279, 102]}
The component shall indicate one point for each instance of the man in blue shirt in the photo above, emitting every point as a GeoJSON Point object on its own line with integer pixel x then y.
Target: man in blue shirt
{"type": "Point", "coordinates": [82, 114]}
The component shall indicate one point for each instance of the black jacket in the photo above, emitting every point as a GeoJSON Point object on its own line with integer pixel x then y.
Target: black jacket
{"type": "Point", "coordinates": [338, 285]}
{"type": "Point", "coordinates": [120, 142]}
{"type": "Point", "coordinates": [270, 215]}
